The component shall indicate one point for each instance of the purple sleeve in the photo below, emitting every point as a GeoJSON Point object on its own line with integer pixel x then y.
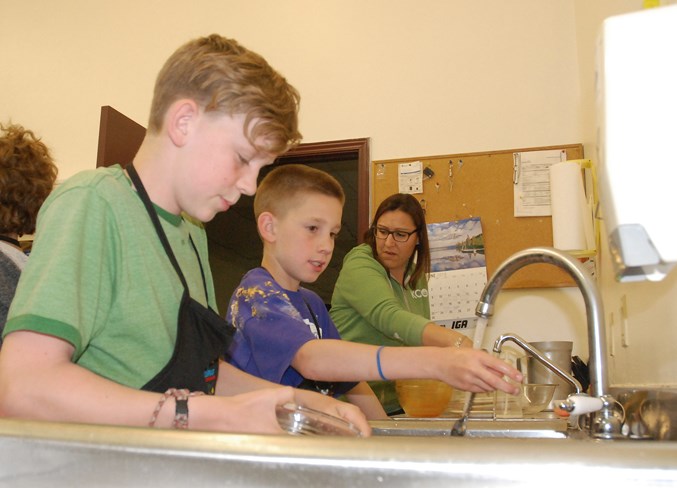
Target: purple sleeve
{"type": "Point", "coordinates": [269, 329]}
{"type": "Point", "coordinates": [274, 337]}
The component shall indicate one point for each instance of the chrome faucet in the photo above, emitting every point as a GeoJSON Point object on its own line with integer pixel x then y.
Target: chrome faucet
{"type": "Point", "coordinates": [604, 424]}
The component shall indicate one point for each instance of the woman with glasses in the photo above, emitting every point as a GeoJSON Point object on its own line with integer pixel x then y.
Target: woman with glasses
{"type": "Point", "coordinates": [381, 295]}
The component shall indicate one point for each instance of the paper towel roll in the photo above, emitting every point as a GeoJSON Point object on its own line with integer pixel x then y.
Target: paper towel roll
{"type": "Point", "coordinates": [571, 214]}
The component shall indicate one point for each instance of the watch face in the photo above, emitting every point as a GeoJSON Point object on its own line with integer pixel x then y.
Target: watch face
{"type": "Point", "coordinates": [182, 407]}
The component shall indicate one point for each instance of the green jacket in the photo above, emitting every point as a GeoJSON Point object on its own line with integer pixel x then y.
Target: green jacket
{"type": "Point", "coordinates": [369, 306]}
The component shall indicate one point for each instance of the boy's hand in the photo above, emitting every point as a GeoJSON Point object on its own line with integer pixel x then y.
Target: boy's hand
{"type": "Point", "coordinates": [243, 386]}
{"type": "Point", "coordinates": [346, 411]}
{"type": "Point", "coordinates": [476, 371]}
{"type": "Point", "coordinates": [253, 412]}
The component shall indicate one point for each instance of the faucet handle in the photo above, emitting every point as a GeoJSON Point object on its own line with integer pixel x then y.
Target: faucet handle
{"type": "Point", "coordinates": [579, 404]}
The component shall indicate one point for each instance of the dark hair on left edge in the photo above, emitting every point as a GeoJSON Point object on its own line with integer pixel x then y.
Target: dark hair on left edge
{"type": "Point", "coordinates": [27, 176]}
{"type": "Point", "coordinates": [409, 205]}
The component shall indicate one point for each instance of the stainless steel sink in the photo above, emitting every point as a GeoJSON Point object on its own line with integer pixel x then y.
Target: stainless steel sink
{"type": "Point", "coordinates": [37, 454]}
{"type": "Point", "coordinates": [538, 428]}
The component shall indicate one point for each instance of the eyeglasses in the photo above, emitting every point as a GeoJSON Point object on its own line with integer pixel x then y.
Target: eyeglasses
{"type": "Point", "coordinates": [398, 235]}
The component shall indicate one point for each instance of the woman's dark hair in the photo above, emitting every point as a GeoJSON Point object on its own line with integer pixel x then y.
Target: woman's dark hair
{"type": "Point", "coordinates": [409, 205]}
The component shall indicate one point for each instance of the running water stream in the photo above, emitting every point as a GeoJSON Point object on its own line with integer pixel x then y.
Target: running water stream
{"type": "Point", "coordinates": [460, 427]}
{"type": "Point", "coordinates": [479, 332]}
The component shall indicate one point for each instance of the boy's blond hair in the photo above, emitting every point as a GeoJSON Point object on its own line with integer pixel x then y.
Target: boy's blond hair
{"type": "Point", "coordinates": [286, 184]}
{"type": "Point", "coordinates": [221, 75]}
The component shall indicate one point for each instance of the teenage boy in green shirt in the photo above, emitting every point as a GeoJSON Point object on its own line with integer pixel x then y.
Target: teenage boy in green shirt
{"type": "Point", "coordinates": [99, 311]}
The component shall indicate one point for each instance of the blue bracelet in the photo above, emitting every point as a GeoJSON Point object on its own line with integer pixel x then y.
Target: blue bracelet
{"type": "Point", "coordinates": [378, 363]}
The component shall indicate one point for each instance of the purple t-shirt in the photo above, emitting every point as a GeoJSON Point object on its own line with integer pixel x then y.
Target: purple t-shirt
{"type": "Point", "coordinates": [272, 324]}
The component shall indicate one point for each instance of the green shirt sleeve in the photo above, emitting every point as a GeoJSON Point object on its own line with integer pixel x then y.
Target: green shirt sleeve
{"type": "Point", "coordinates": [67, 280]}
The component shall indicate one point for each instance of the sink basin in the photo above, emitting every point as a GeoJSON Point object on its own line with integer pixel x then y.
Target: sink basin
{"type": "Point", "coordinates": [539, 428]}
{"type": "Point", "coordinates": [650, 412]}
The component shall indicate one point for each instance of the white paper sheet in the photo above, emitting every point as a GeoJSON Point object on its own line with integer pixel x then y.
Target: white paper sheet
{"type": "Point", "coordinates": [531, 178]}
{"type": "Point", "coordinates": [411, 177]}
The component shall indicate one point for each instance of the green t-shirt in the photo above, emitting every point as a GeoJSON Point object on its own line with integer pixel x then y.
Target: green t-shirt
{"type": "Point", "coordinates": [369, 306]}
{"type": "Point", "coordinates": [99, 278]}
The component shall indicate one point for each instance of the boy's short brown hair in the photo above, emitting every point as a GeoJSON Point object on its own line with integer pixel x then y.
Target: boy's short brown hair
{"type": "Point", "coordinates": [284, 185]}
{"type": "Point", "coordinates": [27, 176]}
{"type": "Point", "coordinates": [221, 75]}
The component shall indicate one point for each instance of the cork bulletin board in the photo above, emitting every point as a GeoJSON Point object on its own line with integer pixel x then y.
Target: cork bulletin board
{"type": "Point", "coordinates": [481, 185]}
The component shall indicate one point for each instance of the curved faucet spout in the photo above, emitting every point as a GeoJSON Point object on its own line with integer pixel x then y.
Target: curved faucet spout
{"type": "Point", "coordinates": [539, 356]}
{"type": "Point", "coordinates": [593, 309]}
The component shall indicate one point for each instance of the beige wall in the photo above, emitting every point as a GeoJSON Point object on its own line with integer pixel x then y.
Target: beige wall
{"type": "Point", "coordinates": [418, 78]}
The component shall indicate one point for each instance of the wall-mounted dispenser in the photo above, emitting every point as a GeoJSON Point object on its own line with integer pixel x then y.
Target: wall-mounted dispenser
{"type": "Point", "coordinates": [636, 90]}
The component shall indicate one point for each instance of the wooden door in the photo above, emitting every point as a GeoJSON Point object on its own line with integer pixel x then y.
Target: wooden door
{"type": "Point", "coordinates": [119, 138]}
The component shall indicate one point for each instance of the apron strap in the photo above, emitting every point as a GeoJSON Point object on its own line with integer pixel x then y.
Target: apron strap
{"type": "Point", "coordinates": [143, 194]}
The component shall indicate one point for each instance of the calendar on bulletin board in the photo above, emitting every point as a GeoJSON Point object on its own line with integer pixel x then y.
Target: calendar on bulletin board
{"type": "Point", "coordinates": [458, 271]}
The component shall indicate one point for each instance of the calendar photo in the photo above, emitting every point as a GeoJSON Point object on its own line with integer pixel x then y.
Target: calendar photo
{"type": "Point", "coordinates": [458, 272]}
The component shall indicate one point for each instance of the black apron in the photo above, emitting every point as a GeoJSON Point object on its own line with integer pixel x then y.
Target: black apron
{"type": "Point", "coordinates": [202, 337]}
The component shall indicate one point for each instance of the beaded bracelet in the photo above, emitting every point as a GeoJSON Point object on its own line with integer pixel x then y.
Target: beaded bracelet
{"type": "Point", "coordinates": [181, 415]}
{"type": "Point", "coordinates": [378, 363]}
